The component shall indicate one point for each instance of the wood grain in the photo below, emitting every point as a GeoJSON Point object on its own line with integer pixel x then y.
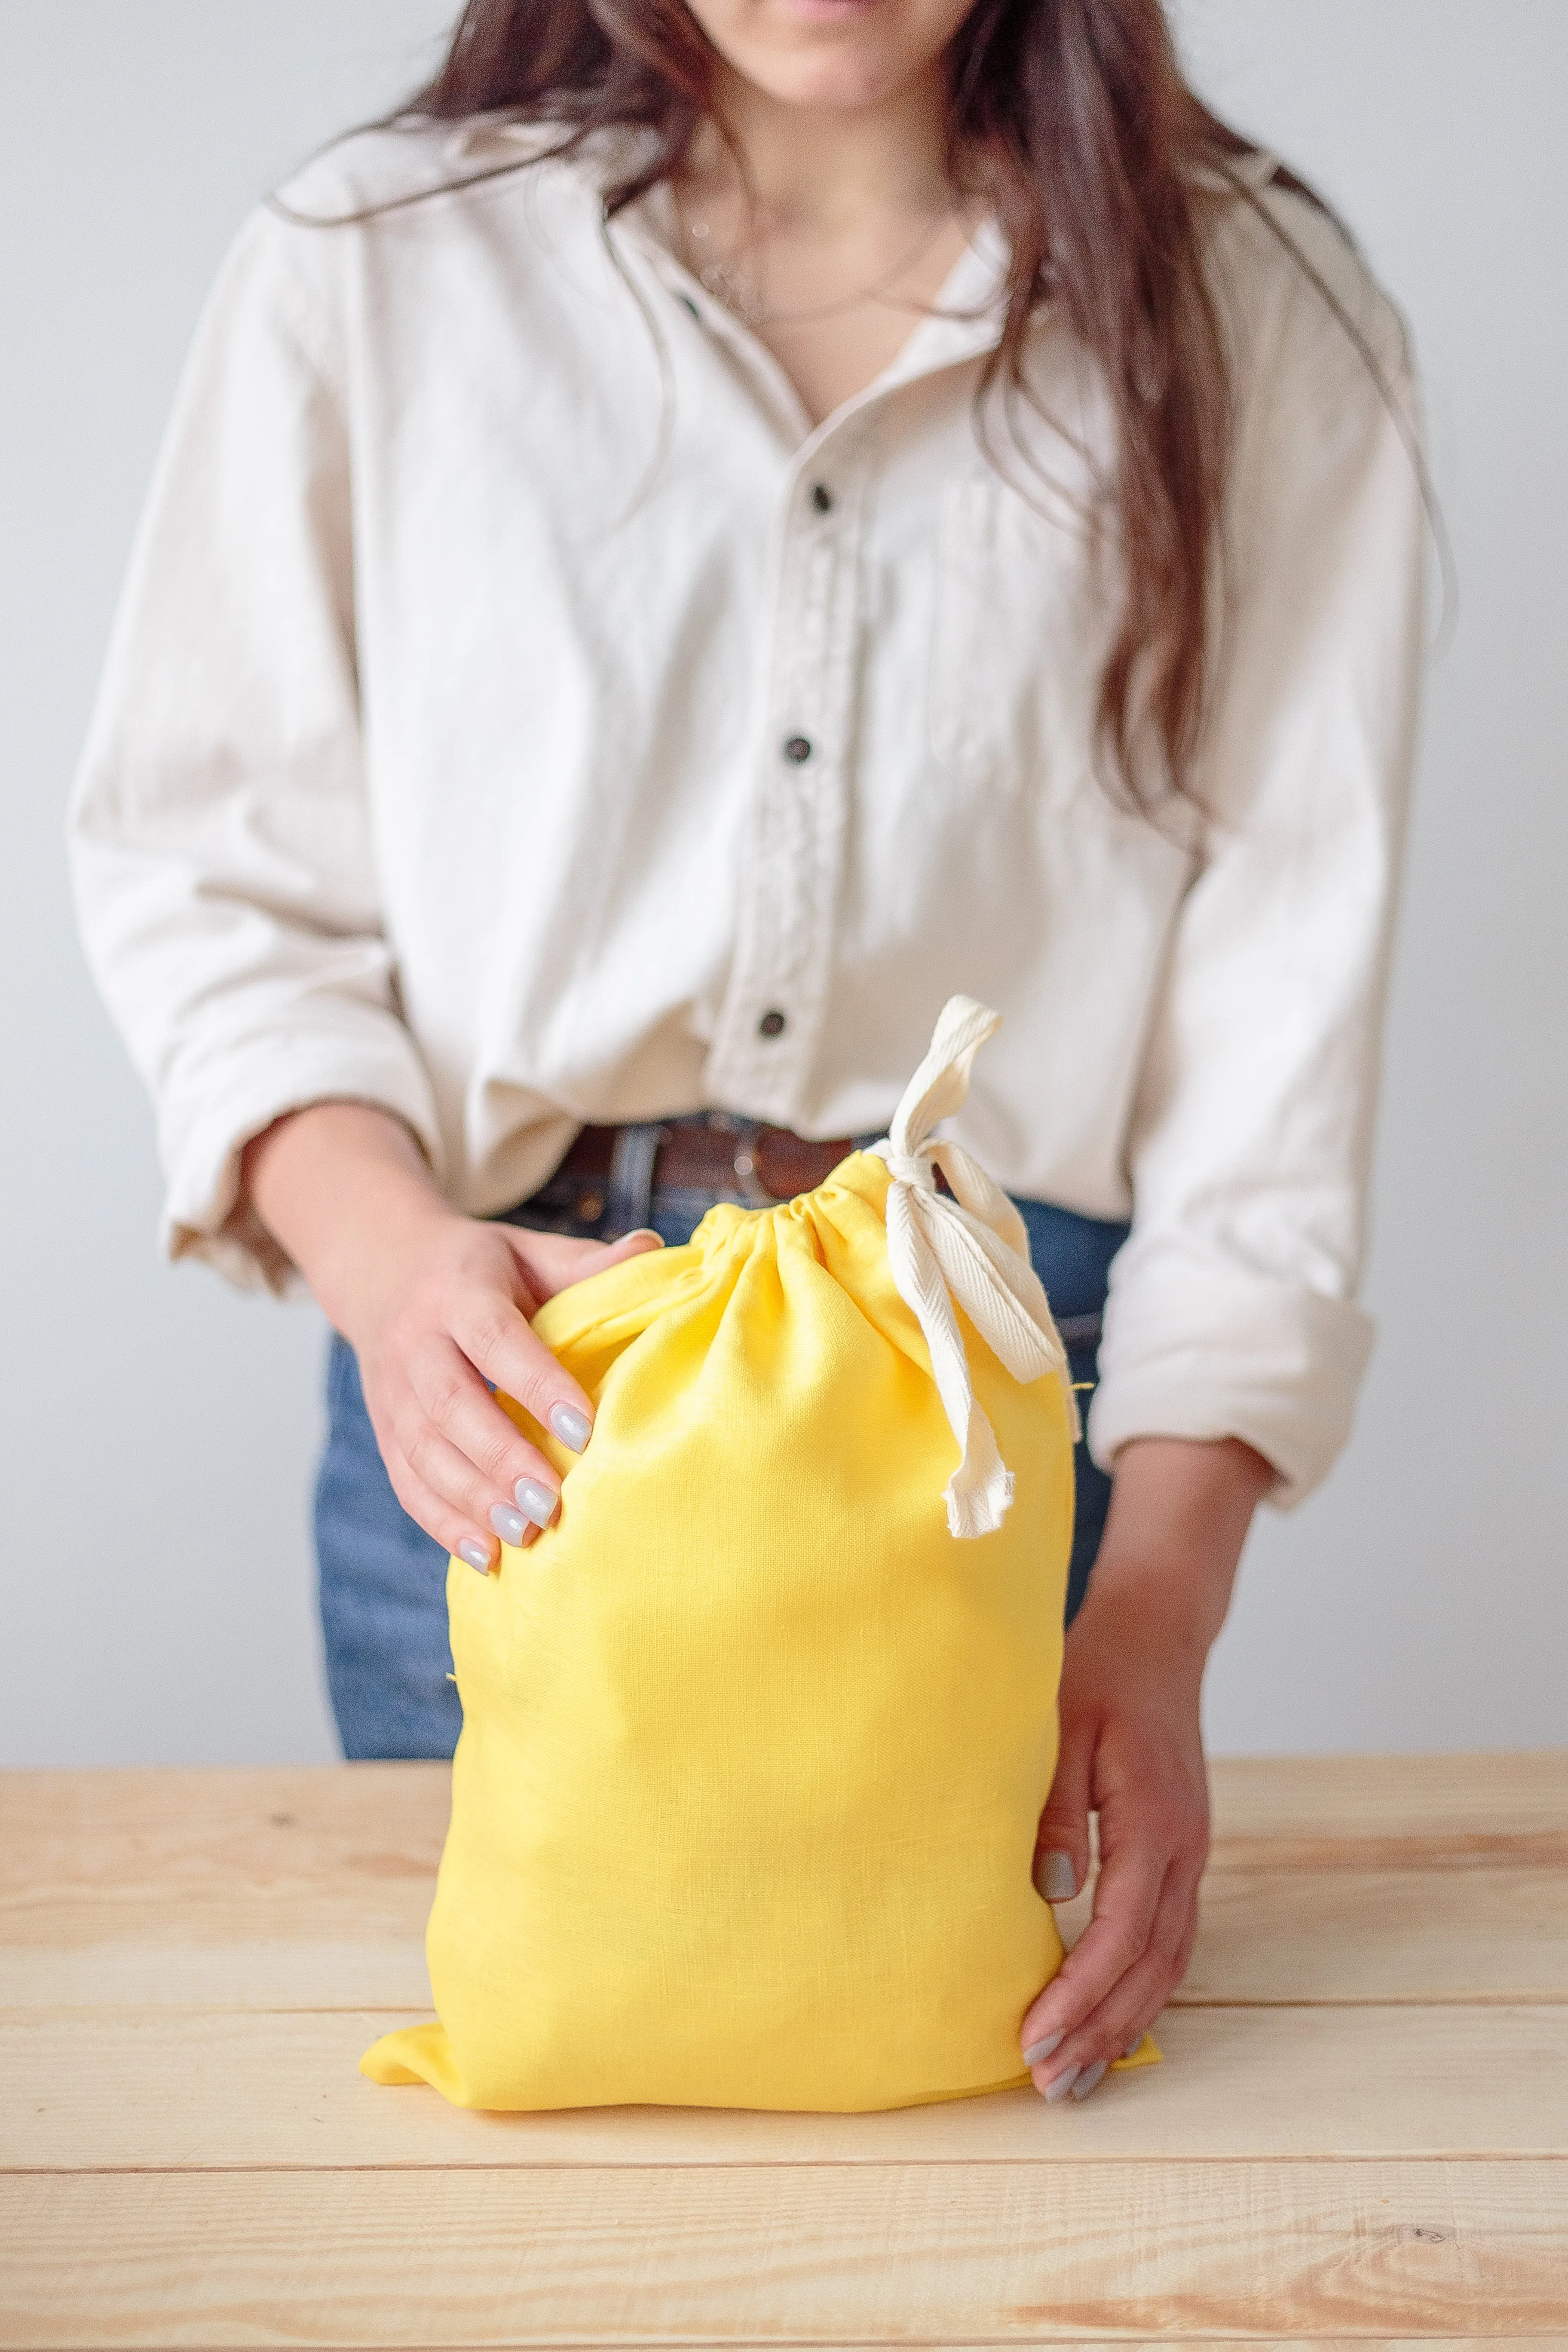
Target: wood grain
{"type": "Point", "coordinates": [348, 1835]}
{"type": "Point", "coordinates": [1361, 2135]}
{"type": "Point", "coordinates": [282, 1971]}
{"type": "Point", "coordinates": [1367, 1936]}
{"type": "Point", "coordinates": [238, 1888]}
{"type": "Point", "coordinates": [1390, 1812]}
{"type": "Point", "coordinates": [347, 1850]}
{"type": "Point", "coordinates": [1305, 1936]}
{"type": "Point", "coordinates": [1001, 2252]}
{"type": "Point", "coordinates": [222, 2091]}
{"type": "Point", "coordinates": [1267, 1936]}
{"type": "Point", "coordinates": [310, 1889]}
{"type": "Point", "coordinates": [179, 1822]}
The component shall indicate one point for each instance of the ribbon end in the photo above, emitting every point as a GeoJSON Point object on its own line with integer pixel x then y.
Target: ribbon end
{"type": "Point", "coordinates": [978, 1510]}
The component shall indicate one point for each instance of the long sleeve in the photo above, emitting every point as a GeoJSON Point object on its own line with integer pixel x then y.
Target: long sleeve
{"type": "Point", "coordinates": [221, 848]}
{"type": "Point", "coordinates": [1233, 1304]}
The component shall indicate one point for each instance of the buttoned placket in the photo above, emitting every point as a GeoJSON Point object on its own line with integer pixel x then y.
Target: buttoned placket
{"type": "Point", "coordinates": [770, 1023]}
{"type": "Point", "coordinates": [769, 1028]}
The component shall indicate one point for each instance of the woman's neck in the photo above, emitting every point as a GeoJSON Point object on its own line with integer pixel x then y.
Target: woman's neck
{"type": "Point", "coordinates": [822, 171]}
{"type": "Point", "coordinates": [828, 229]}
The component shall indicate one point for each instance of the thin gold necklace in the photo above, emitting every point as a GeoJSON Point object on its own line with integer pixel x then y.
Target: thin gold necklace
{"type": "Point", "coordinates": [730, 286]}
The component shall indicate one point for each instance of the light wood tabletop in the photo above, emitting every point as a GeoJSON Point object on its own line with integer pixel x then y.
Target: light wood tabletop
{"type": "Point", "coordinates": [1360, 2136]}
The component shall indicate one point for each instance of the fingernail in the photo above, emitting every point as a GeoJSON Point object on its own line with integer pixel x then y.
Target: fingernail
{"type": "Point", "coordinates": [1055, 1877]}
{"type": "Point", "coordinates": [1134, 2046]}
{"type": "Point", "coordinates": [538, 1501]}
{"type": "Point", "coordinates": [477, 1557]}
{"type": "Point", "coordinates": [508, 1523]}
{"type": "Point", "coordinates": [572, 1427]}
{"type": "Point", "coordinates": [1039, 2052]}
{"type": "Point", "coordinates": [1089, 2078]}
{"type": "Point", "coordinates": [645, 1233]}
{"type": "Point", "coordinates": [1062, 2086]}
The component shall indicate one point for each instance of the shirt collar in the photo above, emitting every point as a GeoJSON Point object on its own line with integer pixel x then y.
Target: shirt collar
{"type": "Point", "coordinates": [498, 134]}
{"type": "Point", "coordinates": [965, 322]}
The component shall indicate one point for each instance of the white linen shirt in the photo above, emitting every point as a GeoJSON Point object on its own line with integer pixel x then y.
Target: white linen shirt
{"type": "Point", "coordinates": [490, 567]}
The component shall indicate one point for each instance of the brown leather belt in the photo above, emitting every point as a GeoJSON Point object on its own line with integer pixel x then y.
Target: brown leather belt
{"type": "Point", "coordinates": [761, 1164]}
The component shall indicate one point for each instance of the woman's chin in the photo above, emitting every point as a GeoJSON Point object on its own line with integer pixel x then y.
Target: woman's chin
{"type": "Point", "coordinates": [832, 54]}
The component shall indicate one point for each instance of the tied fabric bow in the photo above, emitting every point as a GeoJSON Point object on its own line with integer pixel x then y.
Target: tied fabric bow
{"type": "Point", "coordinates": [969, 1249]}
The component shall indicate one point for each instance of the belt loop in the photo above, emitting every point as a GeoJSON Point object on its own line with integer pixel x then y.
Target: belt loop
{"type": "Point", "coordinates": [631, 1155]}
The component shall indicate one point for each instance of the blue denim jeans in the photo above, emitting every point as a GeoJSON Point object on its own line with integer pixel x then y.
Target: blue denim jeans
{"type": "Point", "coordinates": [382, 1580]}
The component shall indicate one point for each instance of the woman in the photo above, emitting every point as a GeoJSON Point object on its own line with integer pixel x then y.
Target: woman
{"type": "Point", "coordinates": [722, 525]}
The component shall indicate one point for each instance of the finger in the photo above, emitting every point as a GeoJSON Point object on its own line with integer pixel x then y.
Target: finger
{"type": "Point", "coordinates": [1126, 1898]}
{"type": "Point", "coordinates": [460, 1442]}
{"type": "Point", "coordinates": [492, 1333]}
{"type": "Point", "coordinates": [508, 1353]}
{"type": "Point", "coordinates": [1061, 1843]}
{"type": "Point", "coordinates": [450, 1528]}
{"type": "Point", "coordinates": [1117, 2022]}
{"type": "Point", "coordinates": [1130, 2031]}
{"type": "Point", "coordinates": [553, 1262]}
{"type": "Point", "coordinates": [449, 1473]}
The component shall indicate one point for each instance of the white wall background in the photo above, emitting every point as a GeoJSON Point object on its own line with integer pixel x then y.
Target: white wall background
{"type": "Point", "coordinates": [158, 1435]}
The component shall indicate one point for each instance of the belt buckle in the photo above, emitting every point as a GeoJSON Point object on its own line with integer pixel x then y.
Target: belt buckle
{"type": "Point", "coordinates": [753, 1191]}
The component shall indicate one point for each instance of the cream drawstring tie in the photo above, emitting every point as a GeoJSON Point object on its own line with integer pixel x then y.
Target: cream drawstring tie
{"type": "Point", "coordinates": [971, 1249]}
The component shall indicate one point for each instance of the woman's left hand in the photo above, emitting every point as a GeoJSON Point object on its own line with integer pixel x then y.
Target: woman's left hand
{"type": "Point", "coordinates": [1132, 1750]}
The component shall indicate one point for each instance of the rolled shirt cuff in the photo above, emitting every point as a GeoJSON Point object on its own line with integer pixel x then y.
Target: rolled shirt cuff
{"type": "Point", "coordinates": [1197, 1348]}
{"type": "Point", "coordinates": [204, 1134]}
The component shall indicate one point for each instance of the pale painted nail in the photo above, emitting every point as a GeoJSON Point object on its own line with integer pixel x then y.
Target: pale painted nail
{"type": "Point", "coordinates": [1039, 2052]}
{"type": "Point", "coordinates": [477, 1557]}
{"type": "Point", "coordinates": [1089, 2078]}
{"type": "Point", "coordinates": [1062, 2086]}
{"type": "Point", "coordinates": [538, 1501]}
{"type": "Point", "coordinates": [645, 1234]}
{"type": "Point", "coordinates": [508, 1523]}
{"type": "Point", "coordinates": [1057, 1880]}
{"type": "Point", "coordinates": [572, 1427]}
{"type": "Point", "coordinates": [1133, 2046]}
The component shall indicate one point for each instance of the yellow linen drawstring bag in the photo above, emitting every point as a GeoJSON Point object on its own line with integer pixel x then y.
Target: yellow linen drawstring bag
{"type": "Point", "coordinates": [756, 1736]}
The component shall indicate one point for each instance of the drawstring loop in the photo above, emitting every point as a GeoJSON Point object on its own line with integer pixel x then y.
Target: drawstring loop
{"type": "Point", "coordinates": [967, 1248]}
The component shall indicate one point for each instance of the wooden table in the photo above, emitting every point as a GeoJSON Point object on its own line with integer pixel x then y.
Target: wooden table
{"type": "Point", "coordinates": [1361, 2134]}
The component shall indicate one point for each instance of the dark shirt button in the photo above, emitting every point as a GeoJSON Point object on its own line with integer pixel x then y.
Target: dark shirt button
{"type": "Point", "coordinates": [822, 498]}
{"type": "Point", "coordinates": [797, 747]}
{"type": "Point", "coordinates": [772, 1024]}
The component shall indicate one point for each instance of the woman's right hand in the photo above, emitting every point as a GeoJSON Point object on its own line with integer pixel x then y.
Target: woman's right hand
{"type": "Point", "coordinates": [434, 1305]}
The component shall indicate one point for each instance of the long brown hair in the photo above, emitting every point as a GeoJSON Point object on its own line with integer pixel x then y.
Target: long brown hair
{"type": "Point", "coordinates": [1071, 119]}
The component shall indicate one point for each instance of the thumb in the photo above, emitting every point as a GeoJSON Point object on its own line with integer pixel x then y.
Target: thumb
{"type": "Point", "coordinates": [630, 1246]}
{"type": "Point", "coordinates": [550, 1261]}
{"type": "Point", "coordinates": [1061, 1847]}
